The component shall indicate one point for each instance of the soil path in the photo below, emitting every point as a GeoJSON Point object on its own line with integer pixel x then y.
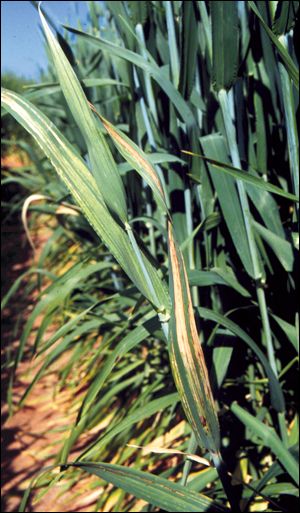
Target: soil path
{"type": "Point", "coordinates": [29, 437]}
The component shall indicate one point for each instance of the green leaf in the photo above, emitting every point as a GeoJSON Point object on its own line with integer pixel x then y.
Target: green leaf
{"type": "Point", "coordinates": [141, 413]}
{"type": "Point", "coordinates": [172, 50]}
{"type": "Point", "coordinates": [179, 103]}
{"type": "Point", "coordinates": [105, 171]}
{"type": "Point", "coordinates": [205, 477]}
{"type": "Point", "coordinates": [225, 46]}
{"type": "Point", "coordinates": [289, 330]}
{"type": "Point", "coordinates": [267, 207]}
{"type": "Point", "coordinates": [65, 328]}
{"type": "Point", "coordinates": [72, 170]}
{"type": "Point", "coordinates": [189, 45]}
{"type": "Point", "coordinates": [275, 389]}
{"type": "Point", "coordinates": [287, 60]}
{"type": "Point", "coordinates": [215, 276]}
{"type": "Point", "coordinates": [59, 349]}
{"type": "Point", "coordinates": [54, 296]}
{"type": "Point", "coordinates": [214, 145]}
{"type": "Point", "coordinates": [274, 471]}
{"type": "Point", "coordinates": [274, 489]}
{"type": "Point", "coordinates": [89, 419]}
{"type": "Point", "coordinates": [139, 12]}
{"type": "Point", "coordinates": [239, 174]}
{"type": "Point", "coordinates": [221, 361]}
{"type": "Point", "coordinates": [36, 91]}
{"type": "Point", "coordinates": [13, 289]}
{"type": "Point", "coordinates": [285, 17]}
{"type": "Point", "coordinates": [281, 247]}
{"type": "Point", "coordinates": [154, 489]}
{"type": "Point", "coordinates": [131, 340]}
{"type": "Point", "coordinates": [270, 439]}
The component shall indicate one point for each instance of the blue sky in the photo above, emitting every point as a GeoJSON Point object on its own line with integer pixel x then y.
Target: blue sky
{"type": "Point", "coordinates": [22, 48]}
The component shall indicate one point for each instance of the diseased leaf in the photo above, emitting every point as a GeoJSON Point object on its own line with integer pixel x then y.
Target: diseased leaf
{"type": "Point", "coordinates": [153, 489]}
{"type": "Point", "coordinates": [187, 358]}
{"type": "Point", "coordinates": [105, 171]}
{"type": "Point", "coordinates": [136, 157]}
{"type": "Point", "coordinates": [73, 171]}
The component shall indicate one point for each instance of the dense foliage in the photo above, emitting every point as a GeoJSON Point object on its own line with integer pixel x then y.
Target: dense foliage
{"type": "Point", "coordinates": [208, 93]}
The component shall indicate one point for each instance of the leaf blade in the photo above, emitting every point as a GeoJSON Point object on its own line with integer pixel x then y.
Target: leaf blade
{"type": "Point", "coordinates": [155, 490]}
{"type": "Point", "coordinates": [187, 358]}
{"type": "Point", "coordinates": [72, 170]}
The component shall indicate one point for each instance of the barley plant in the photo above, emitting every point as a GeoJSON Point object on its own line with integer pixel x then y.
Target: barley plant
{"type": "Point", "coordinates": [169, 274]}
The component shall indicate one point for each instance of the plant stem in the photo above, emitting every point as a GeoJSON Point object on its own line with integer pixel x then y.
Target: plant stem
{"type": "Point", "coordinates": [147, 78]}
{"type": "Point", "coordinates": [221, 469]}
{"type": "Point", "coordinates": [174, 56]}
{"type": "Point", "coordinates": [226, 482]}
{"type": "Point", "coordinates": [266, 326]}
{"type": "Point", "coordinates": [148, 204]}
{"type": "Point", "coordinates": [234, 153]}
{"type": "Point", "coordinates": [290, 122]}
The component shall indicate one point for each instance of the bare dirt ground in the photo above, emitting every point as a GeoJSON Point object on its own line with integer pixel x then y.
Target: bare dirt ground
{"type": "Point", "coordinates": [29, 438]}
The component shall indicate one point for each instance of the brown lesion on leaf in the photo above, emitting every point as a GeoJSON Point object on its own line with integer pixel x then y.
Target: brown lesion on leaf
{"type": "Point", "coordinates": [203, 421]}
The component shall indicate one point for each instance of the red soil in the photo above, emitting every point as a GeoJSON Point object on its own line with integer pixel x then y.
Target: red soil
{"type": "Point", "coordinates": [30, 436]}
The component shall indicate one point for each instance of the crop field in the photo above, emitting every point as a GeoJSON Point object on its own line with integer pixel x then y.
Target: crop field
{"type": "Point", "coordinates": [157, 187]}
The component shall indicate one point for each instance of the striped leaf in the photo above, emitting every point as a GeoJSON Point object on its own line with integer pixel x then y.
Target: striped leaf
{"type": "Point", "coordinates": [136, 157]}
{"type": "Point", "coordinates": [156, 490]}
{"type": "Point", "coordinates": [103, 166]}
{"type": "Point", "coordinates": [187, 358]}
{"type": "Point", "coordinates": [74, 173]}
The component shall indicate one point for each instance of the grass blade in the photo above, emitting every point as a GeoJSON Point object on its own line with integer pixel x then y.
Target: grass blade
{"type": "Point", "coordinates": [229, 200]}
{"type": "Point", "coordinates": [140, 414]}
{"type": "Point", "coordinates": [287, 60]}
{"type": "Point", "coordinates": [189, 45]}
{"type": "Point", "coordinates": [104, 168]}
{"type": "Point", "coordinates": [187, 359]}
{"type": "Point", "coordinates": [153, 489]}
{"type": "Point", "coordinates": [224, 19]}
{"type": "Point", "coordinates": [239, 174]}
{"type": "Point", "coordinates": [180, 104]}
{"type": "Point", "coordinates": [281, 247]}
{"type": "Point", "coordinates": [71, 168]}
{"type": "Point", "coordinates": [270, 439]}
{"type": "Point", "coordinates": [277, 397]}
